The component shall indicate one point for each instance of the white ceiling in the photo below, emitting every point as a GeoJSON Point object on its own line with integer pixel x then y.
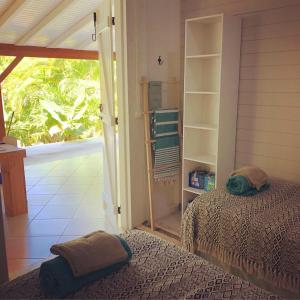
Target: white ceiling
{"type": "Point", "coordinates": [48, 23]}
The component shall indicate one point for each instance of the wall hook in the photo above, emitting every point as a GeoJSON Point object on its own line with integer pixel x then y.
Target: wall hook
{"type": "Point", "coordinates": [160, 61]}
{"type": "Point", "coordinates": [94, 35]}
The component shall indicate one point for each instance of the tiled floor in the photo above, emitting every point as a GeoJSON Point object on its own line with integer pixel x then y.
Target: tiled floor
{"type": "Point", "coordinates": [64, 186]}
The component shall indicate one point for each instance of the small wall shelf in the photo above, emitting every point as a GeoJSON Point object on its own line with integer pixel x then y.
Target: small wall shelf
{"type": "Point", "coordinates": [202, 92]}
{"type": "Point", "coordinates": [203, 56]}
{"type": "Point", "coordinates": [204, 158]}
{"type": "Point", "coordinates": [194, 191]}
{"type": "Point", "coordinates": [203, 126]}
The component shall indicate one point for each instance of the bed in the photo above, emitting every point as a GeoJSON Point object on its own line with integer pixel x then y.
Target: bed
{"type": "Point", "coordinates": [158, 270]}
{"type": "Point", "coordinates": [256, 237]}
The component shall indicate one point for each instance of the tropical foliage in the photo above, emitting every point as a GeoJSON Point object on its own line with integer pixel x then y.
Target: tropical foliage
{"type": "Point", "coordinates": [52, 99]}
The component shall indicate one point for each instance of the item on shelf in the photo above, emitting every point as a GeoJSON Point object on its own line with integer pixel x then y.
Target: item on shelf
{"type": "Point", "coordinates": [209, 182]}
{"type": "Point", "coordinates": [196, 179]}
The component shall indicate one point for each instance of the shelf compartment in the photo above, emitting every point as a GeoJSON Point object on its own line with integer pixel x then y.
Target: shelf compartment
{"type": "Point", "coordinates": [204, 158]}
{"type": "Point", "coordinates": [202, 93]}
{"type": "Point", "coordinates": [201, 111]}
{"type": "Point", "coordinates": [203, 56]}
{"type": "Point", "coordinates": [203, 126]}
{"type": "Point", "coordinates": [193, 190]}
{"type": "Point", "coordinates": [203, 74]}
{"type": "Point", "coordinates": [204, 36]}
{"type": "Point", "coordinates": [200, 145]}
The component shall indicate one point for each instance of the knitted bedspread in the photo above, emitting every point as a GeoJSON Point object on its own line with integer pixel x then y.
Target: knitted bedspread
{"type": "Point", "coordinates": [258, 235]}
{"type": "Point", "coordinates": [158, 270]}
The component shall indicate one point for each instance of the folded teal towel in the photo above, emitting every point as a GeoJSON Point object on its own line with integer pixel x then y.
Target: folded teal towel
{"type": "Point", "coordinates": [239, 185]}
{"type": "Point", "coordinates": [57, 280]}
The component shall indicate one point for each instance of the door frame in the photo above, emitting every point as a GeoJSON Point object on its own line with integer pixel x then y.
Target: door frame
{"type": "Point", "coordinates": [3, 256]}
{"type": "Point", "coordinates": [124, 182]}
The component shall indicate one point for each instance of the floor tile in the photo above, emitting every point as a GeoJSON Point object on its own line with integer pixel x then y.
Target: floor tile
{"type": "Point", "coordinates": [60, 180]}
{"type": "Point", "coordinates": [36, 173]}
{"type": "Point", "coordinates": [32, 180]}
{"type": "Point", "coordinates": [47, 227]}
{"type": "Point", "coordinates": [41, 189]}
{"type": "Point", "coordinates": [57, 212]}
{"type": "Point", "coordinates": [39, 199]}
{"type": "Point", "coordinates": [81, 180]}
{"type": "Point", "coordinates": [66, 199]}
{"type": "Point", "coordinates": [90, 211]}
{"type": "Point", "coordinates": [73, 188]}
{"type": "Point", "coordinates": [28, 188]}
{"type": "Point", "coordinates": [33, 210]}
{"type": "Point", "coordinates": [30, 247]}
{"type": "Point", "coordinates": [60, 186]}
{"type": "Point", "coordinates": [67, 238]}
{"type": "Point", "coordinates": [61, 172]}
{"type": "Point", "coordinates": [84, 226]}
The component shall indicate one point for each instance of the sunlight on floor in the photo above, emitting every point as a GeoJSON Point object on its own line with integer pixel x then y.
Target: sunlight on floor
{"type": "Point", "coordinates": [64, 191]}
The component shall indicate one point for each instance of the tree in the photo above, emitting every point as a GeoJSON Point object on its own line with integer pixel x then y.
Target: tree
{"type": "Point", "coordinates": [53, 99]}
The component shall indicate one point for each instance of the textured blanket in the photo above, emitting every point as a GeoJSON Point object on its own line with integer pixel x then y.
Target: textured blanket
{"type": "Point", "coordinates": [158, 270]}
{"type": "Point", "coordinates": [258, 236]}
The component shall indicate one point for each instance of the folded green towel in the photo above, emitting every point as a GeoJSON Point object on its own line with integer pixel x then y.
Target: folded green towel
{"type": "Point", "coordinates": [57, 279]}
{"type": "Point", "coordinates": [240, 185]}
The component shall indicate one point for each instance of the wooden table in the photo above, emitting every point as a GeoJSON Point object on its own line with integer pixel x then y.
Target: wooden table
{"type": "Point", "coordinates": [13, 180]}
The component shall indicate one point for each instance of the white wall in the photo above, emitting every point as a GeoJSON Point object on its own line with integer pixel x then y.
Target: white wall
{"type": "Point", "coordinates": [153, 29]}
{"type": "Point", "coordinates": [268, 127]}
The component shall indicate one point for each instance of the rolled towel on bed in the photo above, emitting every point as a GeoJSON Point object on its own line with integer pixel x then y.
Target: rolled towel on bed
{"type": "Point", "coordinates": [91, 252]}
{"type": "Point", "coordinates": [57, 278]}
{"type": "Point", "coordinates": [239, 185]}
{"type": "Point", "coordinates": [256, 176]}
{"type": "Point", "coordinates": [247, 181]}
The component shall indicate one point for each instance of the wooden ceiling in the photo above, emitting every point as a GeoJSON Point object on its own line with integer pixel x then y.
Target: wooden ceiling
{"type": "Point", "coordinates": [48, 28]}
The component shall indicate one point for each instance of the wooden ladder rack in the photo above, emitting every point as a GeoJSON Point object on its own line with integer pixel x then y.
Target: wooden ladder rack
{"type": "Point", "coordinates": [149, 141]}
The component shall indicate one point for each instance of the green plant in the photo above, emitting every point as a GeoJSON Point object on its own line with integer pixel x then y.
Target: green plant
{"type": "Point", "coordinates": [53, 99]}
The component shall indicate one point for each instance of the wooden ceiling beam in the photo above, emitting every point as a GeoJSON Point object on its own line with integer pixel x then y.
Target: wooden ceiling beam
{"type": "Point", "coordinates": [72, 30]}
{"type": "Point", "coordinates": [44, 22]}
{"type": "Point", "coordinates": [10, 68]}
{"type": "Point", "coordinates": [11, 10]}
{"type": "Point", "coordinates": [33, 51]}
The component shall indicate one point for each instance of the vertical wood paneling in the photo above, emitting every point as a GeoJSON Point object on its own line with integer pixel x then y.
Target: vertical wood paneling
{"type": "Point", "coordinates": [268, 127]}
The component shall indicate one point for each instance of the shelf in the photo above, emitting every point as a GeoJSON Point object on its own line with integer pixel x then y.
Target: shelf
{"type": "Point", "coordinates": [202, 92]}
{"type": "Point", "coordinates": [170, 223]}
{"type": "Point", "coordinates": [193, 190]}
{"type": "Point", "coordinates": [203, 56]}
{"type": "Point", "coordinates": [205, 158]}
{"type": "Point", "coordinates": [203, 126]}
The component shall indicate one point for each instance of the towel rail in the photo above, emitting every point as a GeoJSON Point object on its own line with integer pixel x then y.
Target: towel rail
{"type": "Point", "coordinates": [149, 141]}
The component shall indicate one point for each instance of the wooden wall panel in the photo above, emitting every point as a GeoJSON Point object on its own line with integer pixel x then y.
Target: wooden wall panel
{"type": "Point", "coordinates": [283, 58]}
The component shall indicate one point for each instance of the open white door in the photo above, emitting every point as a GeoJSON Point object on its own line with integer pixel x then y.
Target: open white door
{"type": "Point", "coordinates": [107, 106]}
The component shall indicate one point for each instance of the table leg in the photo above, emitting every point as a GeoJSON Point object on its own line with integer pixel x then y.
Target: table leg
{"type": "Point", "coordinates": [14, 187]}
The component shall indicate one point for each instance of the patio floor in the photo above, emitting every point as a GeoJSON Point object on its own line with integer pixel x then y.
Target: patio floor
{"type": "Point", "coordinates": [64, 187]}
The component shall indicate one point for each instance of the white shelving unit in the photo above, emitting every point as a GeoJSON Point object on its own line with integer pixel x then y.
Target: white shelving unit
{"type": "Point", "coordinates": [212, 53]}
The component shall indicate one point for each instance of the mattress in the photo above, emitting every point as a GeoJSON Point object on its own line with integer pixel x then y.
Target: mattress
{"type": "Point", "coordinates": [158, 270]}
{"type": "Point", "coordinates": [257, 237]}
